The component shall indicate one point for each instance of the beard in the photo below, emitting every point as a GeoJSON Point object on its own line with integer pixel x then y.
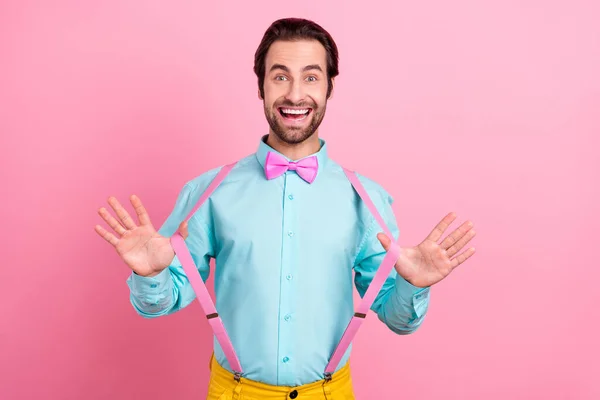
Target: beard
{"type": "Point", "coordinates": [294, 135]}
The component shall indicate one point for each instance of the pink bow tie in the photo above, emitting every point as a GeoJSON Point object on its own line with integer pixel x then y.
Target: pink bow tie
{"type": "Point", "coordinates": [276, 165]}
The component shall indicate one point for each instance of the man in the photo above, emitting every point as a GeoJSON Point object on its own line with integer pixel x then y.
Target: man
{"type": "Point", "coordinates": [285, 245]}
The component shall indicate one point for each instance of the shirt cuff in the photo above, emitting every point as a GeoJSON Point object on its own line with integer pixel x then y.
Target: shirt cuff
{"type": "Point", "coordinates": [417, 297]}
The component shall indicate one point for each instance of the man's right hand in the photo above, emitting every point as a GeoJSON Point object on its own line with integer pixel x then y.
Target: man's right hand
{"type": "Point", "coordinates": [142, 248]}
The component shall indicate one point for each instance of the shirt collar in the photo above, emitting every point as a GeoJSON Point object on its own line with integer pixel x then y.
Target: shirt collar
{"type": "Point", "coordinates": [264, 149]}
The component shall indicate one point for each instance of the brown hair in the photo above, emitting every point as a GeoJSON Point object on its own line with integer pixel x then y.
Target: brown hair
{"type": "Point", "coordinates": [291, 29]}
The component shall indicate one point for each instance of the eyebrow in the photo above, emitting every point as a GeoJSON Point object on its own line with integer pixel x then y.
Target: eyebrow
{"type": "Point", "coordinates": [286, 69]}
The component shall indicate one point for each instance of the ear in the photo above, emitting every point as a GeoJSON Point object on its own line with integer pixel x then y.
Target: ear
{"type": "Point", "coordinates": [258, 93]}
{"type": "Point", "coordinates": [332, 89]}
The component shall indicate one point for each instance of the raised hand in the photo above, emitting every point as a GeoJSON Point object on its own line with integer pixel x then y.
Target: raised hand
{"type": "Point", "coordinates": [142, 248]}
{"type": "Point", "coordinates": [430, 262]}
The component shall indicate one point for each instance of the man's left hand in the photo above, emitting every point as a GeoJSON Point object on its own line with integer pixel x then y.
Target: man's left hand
{"type": "Point", "coordinates": [430, 262]}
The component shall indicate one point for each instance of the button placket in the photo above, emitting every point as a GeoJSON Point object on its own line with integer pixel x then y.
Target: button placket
{"type": "Point", "coordinates": [288, 270]}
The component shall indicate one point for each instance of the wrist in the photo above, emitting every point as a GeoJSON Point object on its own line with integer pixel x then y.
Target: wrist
{"type": "Point", "coordinates": [149, 275]}
{"type": "Point", "coordinates": [153, 274]}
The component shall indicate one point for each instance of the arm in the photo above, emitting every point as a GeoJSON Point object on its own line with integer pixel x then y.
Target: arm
{"type": "Point", "coordinates": [170, 290]}
{"type": "Point", "coordinates": [400, 305]}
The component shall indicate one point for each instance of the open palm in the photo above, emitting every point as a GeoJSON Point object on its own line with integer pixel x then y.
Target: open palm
{"type": "Point", "coordinates": [142, 248]}
{"type": "Point", "coordinates": [429, 262]}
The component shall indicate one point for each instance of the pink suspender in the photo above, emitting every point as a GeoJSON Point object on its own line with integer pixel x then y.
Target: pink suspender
{"type": "Point", "coordinates": [378, 280]}
{"type": "Point", "coordinates": [215, 321]}
{"type": "Point", "coordinates": [191, 270]}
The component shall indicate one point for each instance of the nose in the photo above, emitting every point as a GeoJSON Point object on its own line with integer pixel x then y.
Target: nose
{"type": "Point", "coordinates": [295, 93]}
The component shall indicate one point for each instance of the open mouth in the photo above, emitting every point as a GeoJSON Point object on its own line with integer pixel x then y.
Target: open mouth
{"type": "Point", "coordinates": [294, 114]}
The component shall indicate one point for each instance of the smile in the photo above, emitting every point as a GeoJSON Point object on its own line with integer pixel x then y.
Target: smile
{"type": "Point", "coordinates": [294, 114]}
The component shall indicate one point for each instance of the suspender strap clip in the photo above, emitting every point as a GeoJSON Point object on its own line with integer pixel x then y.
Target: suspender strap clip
{"type": "Point", "coordinates": [237, 376]}
{"type": "Point", "coordinates": [360, 315]}
{"type": "Point", "coordinates": [213, 315]}
{"type": "Point", "coordinates": [327, 376]}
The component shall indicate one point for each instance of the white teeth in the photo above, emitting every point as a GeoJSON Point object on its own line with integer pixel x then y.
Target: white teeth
{"type": "Point", "coordinates": [290, 111]}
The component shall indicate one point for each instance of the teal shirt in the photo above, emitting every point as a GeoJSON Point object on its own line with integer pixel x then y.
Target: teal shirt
{"type": "Point", "coordinates": [285, 252]}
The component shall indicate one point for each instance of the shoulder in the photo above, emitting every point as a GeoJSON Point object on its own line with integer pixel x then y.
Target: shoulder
{"type": "Point", "coordinates": [374, 189]}
{"type": "Point", "coordinates": [195, 186]}
{"type": "Point", "coordinates": [373, 186]}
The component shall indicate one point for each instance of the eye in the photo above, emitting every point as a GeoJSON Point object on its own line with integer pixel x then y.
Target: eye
{"type": "Point", "coordinates": [280, 76]}
{"type": "Point", "coordinates": [312, 78]}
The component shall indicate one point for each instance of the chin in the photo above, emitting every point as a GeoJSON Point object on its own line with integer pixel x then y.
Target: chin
{"type": "Point", "coordinates": [292, 136]}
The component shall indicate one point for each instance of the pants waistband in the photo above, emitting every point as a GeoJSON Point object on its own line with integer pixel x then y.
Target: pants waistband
{"type": "Point", "coordinates": [222, 380]}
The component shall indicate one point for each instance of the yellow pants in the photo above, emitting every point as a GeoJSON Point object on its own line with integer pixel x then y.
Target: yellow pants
{"type": "Point", "coordinates": [223, 386]}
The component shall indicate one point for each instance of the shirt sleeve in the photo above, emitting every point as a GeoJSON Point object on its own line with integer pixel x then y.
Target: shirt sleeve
{"type": "Point", "coordinates": [170, 290]}
{"type": "Point", "coordinates": [399, 304]}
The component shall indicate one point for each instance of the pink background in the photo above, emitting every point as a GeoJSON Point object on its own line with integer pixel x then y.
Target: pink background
{"type": "Point", "coordinates": [489, 109]}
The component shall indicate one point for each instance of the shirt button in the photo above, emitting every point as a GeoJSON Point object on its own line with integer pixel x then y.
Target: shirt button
{"type": "Point", "coordinates": [290, 233]}
{"type": "Point", "coordinates": [287, 317]}
{"type": "Point", "coordinates": [288, 277]}
{"type": "Point", "coordinates": [293, 394]}
{"type": "Point", "coordinates": [153, 285]}
{"type": "Point", "coordinates": [286, 359]}
{"type": "Point", "coordinates": [291, 197]}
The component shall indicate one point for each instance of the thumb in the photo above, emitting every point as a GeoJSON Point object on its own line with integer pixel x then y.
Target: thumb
{"type": "Point", "coordinates": [183, 229]}
{"type": "Point", "coordinates": [385, 241]}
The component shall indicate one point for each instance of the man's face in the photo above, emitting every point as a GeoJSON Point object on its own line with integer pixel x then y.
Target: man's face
{"type": "Point", "coordinates": [295, 89]}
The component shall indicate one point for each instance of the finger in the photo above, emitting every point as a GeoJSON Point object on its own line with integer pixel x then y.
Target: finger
{"type": "Point", "coordinates": [122, 213]}
{"type": "Point", "coordinates": [462, 257]}
{"type": "Point", "coordinates": [385, 241]}
{"type": "Point", "coordinates": [109, 237]}
{"type": "Point", "coordinates": [438, 231]}
{"type": "Point", "coordinates": [111, 221]}
{"type": "Point", "coordinates": [456, 235]}
{"type": "Point", "coordinates": [456, 247]}
{"type": "Point", "coordinates": [441, 227]}
{"type": "Point", "coordinates": [140, 210]}
{"type": "Point", "coordinates": [184, 229]}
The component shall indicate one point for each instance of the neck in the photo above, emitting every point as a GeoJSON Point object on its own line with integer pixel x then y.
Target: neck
{"type": "Point", "coordinates": [295, 151]}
